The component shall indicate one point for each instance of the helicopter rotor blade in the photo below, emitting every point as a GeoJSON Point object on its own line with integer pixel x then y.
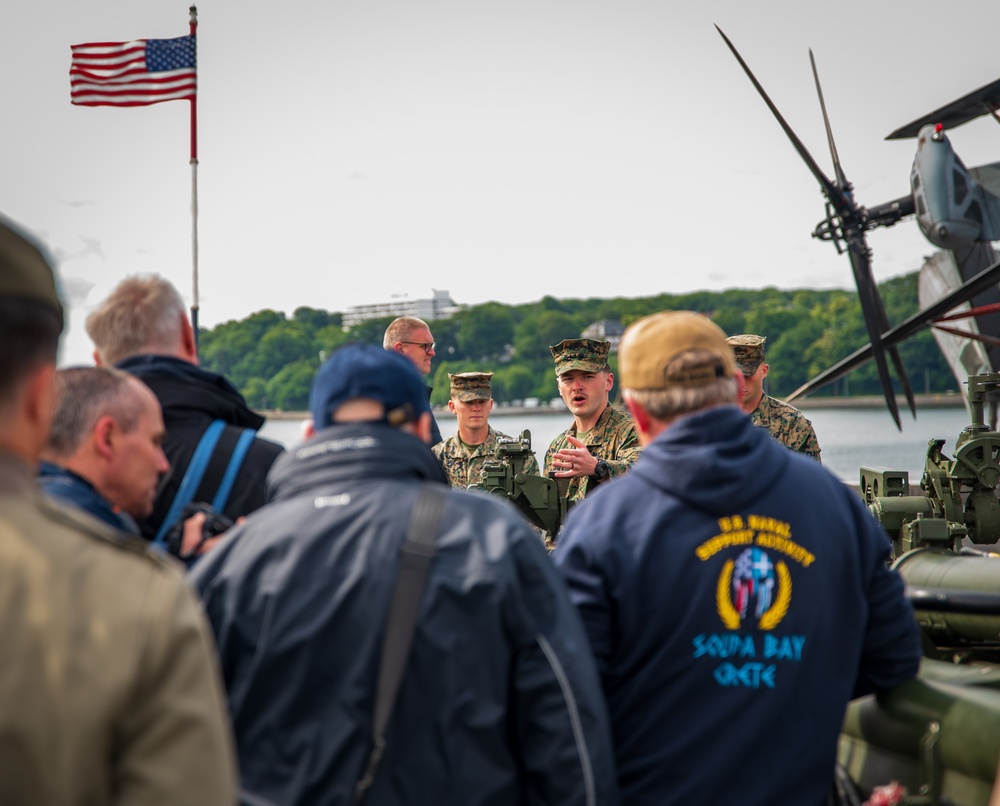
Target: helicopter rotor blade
{"type": "Point", "coordinates": [895, 357]}
{"type": "Point", "coordinates": [838, 171]}
{"type": "Point", "coordinates": [847, 223]}
{"type": "Point", "coordinates": [835, 194]}
{"type": "Point", "coordinates": [972, 287]}
{"type": "Point", "coordinates": [867, 294]}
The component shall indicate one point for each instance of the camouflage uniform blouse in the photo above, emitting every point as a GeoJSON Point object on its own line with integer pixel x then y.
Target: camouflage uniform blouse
{"type": "Point", "coordinates": [612, 439]}
{"type": "Point", "coordinates": [464, 468]}
{"type": "Point", "coordinates": [787, 425]}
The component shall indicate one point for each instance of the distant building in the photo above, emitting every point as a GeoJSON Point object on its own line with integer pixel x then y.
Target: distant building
{"type": "Point", "coordinates": [605, 330]}
{"type": "Point", "coordinates": [439, 306]}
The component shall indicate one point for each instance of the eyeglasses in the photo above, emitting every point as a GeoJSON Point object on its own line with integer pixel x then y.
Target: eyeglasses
{"type": "Point", "coordinates": [427, 346]}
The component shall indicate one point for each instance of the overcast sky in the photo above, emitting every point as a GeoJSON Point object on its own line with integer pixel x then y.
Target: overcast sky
{"type": "Point", "coordinates": [498, 150]}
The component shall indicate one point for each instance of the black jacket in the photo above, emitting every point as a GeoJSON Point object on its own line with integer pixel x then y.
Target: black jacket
{"type": "Point", "coordinates": [191, 399]}
{"type": "Point", "coordinates": [435, 429]}
{"type": "Point", "coordinates": [499, 703]}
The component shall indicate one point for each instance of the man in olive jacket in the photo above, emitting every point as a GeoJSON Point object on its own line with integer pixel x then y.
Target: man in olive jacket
{"type": "Point", "coordinates": [109, 692]}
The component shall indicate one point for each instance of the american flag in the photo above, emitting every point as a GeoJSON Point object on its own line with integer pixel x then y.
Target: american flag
{"type": "Point", "coordinates": [137, 73]}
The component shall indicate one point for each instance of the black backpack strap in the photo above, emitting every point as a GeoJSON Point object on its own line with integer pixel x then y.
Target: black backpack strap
{"type": "Point", "coordinates": [401, 623]}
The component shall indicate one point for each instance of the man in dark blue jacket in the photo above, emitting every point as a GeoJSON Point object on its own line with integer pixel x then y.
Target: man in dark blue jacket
{"type": "Point", "coordinates": [142, 328]}
{"type": "Point", "coordinates": [105, 450]}
{"type": "Point", "coordinates": [499, 701]}
{"type": "Point", "coordinates": [736, 594]}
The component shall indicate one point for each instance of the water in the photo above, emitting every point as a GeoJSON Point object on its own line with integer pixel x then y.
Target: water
{"type": "Point", "coordinates": [848, 438]}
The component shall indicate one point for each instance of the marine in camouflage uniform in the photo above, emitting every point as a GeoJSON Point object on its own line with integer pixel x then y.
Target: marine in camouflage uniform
{"type": "Point", "coordinates": [786, 423]}
{"type": "Point", "coordinates": [462, 460]}
{"type": "Point", "coordinates": [611, 440]}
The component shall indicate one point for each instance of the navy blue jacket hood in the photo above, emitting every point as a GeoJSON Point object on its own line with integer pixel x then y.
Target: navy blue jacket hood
{"type": "Point", "coordinates": [712, 460]}
{"type": "Point", "coordinates": [363, 451]}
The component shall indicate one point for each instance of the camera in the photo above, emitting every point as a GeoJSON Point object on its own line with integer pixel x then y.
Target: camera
{"type": "Point", "coordinates": [215, 524]}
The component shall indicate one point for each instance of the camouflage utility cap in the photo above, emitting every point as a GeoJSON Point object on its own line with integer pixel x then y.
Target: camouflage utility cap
{"type": "Point", "coordinates": [586, 355]}
{"type": "Point", "coordinates": [651, 343]}
{"type": "Point", "coordinates": [468, 386]}
{"type": "Point", "coordinates": [25, 270]}
{"type": "Point", "coordinates": [749, 350]}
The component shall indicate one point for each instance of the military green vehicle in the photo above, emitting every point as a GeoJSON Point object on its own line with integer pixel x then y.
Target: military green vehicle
{"type": "Point", "coordinates": [541, 500]}
{"type": "Point", "coordinates": [939, 735]}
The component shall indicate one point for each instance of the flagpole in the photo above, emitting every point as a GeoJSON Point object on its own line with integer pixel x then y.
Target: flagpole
{"type": "Point", "coordinates": [194, 188]}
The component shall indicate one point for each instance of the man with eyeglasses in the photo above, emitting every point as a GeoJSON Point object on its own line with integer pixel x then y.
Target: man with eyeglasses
{"type": "Point", "coordinates": [412, 337]}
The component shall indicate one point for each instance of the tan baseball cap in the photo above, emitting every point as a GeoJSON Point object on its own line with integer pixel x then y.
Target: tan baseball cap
{"type": "Point", "coordinates": [586, 355]}
{"type": "Point", "coordinates": [651, 343]}
{"type": "Point", "coordinates": [469, 386]}
{"type": "Point", "coordinates": [25, 270]}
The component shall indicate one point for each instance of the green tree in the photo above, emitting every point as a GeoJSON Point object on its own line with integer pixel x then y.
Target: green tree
{"type": "Point", "coordinates": [315, 318]}
{"type": "Point", "coordinates": [513, 382]}
{"type": "Point", "coordinates": [289, 389]}
{"type": "Point", "coordinates": [328, 339]}
{"type": "Point", "coordinates": [283, 344]}
{"type": "Point", "coordinates": [371, 331]}
{"type": "Point", "coordinates": [255, 392]}
{"type": "Point", "coordinates": [538, 332]}
{"type": "Point", "coordinates": [485, 331]}
{"type": "Point", "coordinates": [228, 344]}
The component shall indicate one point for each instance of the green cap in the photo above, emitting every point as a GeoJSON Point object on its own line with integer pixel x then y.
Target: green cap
{"type": "Point", "coordinates": [469, 386]}
{"type": "Point", "coordinates": [749, 351]}
{"type": "Point", "coordinates": [25, 270]}
{"type": "Point", "coordinates": [585, 355]}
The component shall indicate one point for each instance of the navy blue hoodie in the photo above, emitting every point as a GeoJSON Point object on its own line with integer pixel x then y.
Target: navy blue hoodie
{"type": "Point", "coordinates": [736, 596]}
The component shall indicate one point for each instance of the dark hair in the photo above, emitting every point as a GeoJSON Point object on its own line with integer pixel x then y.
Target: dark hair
{"type": "Point", "coordinates": [29, 333]}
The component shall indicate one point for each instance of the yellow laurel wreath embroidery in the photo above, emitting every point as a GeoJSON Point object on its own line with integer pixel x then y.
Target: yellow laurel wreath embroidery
{"type": "Point", "coordinates": [723, 601]}
{"type": "Point", "coordinates": [776, 612]}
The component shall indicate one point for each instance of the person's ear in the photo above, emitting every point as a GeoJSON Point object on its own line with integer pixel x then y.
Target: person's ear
{"type": "Point", "coordinates": [40, 401]}
{"type": "Point", "coordinates": [422, 428]}
{"type": "Point", "coordinates": [102, 437]}
{"type": "Point", "coordinates": [309, 429]}
{"type": "Point", "coordinates": [189, 345]}
{"type": "Point", "coordinates": [639, 415]}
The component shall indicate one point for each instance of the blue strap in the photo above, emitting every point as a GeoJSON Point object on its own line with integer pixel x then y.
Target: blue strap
{"type": "Point", "coordinates": [192, 478]}
{"type": "Point", "coordinates": [239, 454]}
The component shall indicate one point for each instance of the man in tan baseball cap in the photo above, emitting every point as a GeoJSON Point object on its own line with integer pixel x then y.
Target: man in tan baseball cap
{"type": "Point", "coordinates": [717, 548]}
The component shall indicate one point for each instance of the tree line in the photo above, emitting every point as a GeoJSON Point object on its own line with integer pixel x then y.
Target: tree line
{"type": "Point", "coordinates": [271, 358]}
